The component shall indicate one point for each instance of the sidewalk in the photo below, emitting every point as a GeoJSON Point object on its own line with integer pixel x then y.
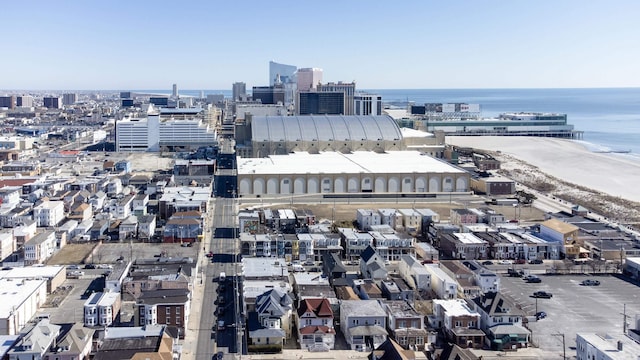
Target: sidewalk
{"type": "Point", "coordinates": [192, 332]}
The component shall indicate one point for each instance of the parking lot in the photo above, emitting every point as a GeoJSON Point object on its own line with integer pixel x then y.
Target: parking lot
{"type": "Point", "coordinates": [574, 307]}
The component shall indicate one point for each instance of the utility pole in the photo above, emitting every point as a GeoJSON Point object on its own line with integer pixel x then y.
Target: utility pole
{"type": "Point", "coordinates": [624, 319]}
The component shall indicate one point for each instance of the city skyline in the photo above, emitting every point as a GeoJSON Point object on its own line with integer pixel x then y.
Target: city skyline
{"type": "Point", "coordinates": [417, 45]}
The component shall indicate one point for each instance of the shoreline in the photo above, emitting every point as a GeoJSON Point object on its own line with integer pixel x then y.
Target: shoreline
{"type": "Point", "coordinates": [567, 160]}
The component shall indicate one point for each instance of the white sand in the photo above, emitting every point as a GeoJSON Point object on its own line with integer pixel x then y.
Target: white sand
{"type": "Point", "coordinates": [567, 160]}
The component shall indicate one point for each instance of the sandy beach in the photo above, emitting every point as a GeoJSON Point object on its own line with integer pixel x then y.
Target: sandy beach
{"type": "Point", "coordinates": [568, 160]}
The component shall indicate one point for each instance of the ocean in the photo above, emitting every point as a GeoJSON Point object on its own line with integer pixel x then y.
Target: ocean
{"type": "Point", "coordinates": [609, 117]}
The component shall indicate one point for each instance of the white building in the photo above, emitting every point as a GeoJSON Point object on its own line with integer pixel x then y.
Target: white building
{"type": "Point", "coordinates": [49, 213]}
{"type": "Point", "coordinates": [367, 104]}
{"type": "Point", "coordinates": [18, 308]}
{"type": "Point", "coordinates": [366, 218]}
{"type": "Point", "coordinates": [151, 134]}
{"type": "Point", "coordinates": [442, 284]}
{"type": "Point", "coordinates": [7, 244]}
{"type": "Point", "coordinates": [101, 309]}
{"type": "Point", "coordinates": [411, 220]}
{"type": "Point", "coordinates": [35, 344]}
{"type": "Point", "coordinates": [359, 171]}
{"type": "Point", "coordinates": [40, 247]}
{"type": "Point", "coordinates": [414, 273]}
{"type": "Point", "coordinates": [592, 346]}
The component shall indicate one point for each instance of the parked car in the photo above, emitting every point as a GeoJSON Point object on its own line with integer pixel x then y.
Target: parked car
{"type": "Point", "coordinates": [505, 262]}
{"type": "Point", "coordinates": [89, 266]}
{"type": "Point", "coordinates": [590, 282]}
{"type": "Point", "coordinates": [542, 295]}
{"type": "Point", "coordinates": [541, 315]}
{"type": "Point", "coordinates": [536, 261]}
{"type": "Point", "coordinates": [515, 273]}
{"type": "Point", "coordinates": [532, 279]}
{"type": "Point", "coordinates": [488, 262]}
{"type": "Point", "coordinates": [521, 261]}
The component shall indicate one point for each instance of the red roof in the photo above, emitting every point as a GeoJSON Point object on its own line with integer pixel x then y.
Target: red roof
{"type": "Point", "coordinates": [320, 307]}
{"type": "Point", "coordinates": [69, 152]}
{"type": "Point", "coordinates": [316, 329]}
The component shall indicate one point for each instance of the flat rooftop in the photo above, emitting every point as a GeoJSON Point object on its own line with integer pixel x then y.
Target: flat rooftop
{"type": "Point", "coordinates": [336, 162]}
{"type": "Point", "coordinates": [31, 272]}
{"type": "Point", "coordinates": [14, 293]}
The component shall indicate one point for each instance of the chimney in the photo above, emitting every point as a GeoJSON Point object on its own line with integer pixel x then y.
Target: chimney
{"type": "Point", "coordinates": [619, 345]}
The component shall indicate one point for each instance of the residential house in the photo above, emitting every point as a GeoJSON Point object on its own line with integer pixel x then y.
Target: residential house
{"type": "Point", "coordinates": [414, 273]}
{"type": "Point", "coordinates": [24, 232]}
{"type": "Point", "coordinates": [37, 341]}
{"type": "Point", "coordinates": [443, 285]}
{"type": "Point", "coordinates": [183, 228]}
{"type": "Point", "coordinates": [564, 233]}
{"type": "Point", "coordinates": [305, 247]}
{"type": "Point", "coordinates": [406, 324]}
{"type": "Point", "coordinates": [101, 309]}
{"type": "Point", "coordinates": [74, 345]}
{"type": "Point", "coordinates": [427, 217]}
{"type": "Point", "coordinates": [333, 267]}
{"type": "Point", "coordinates": [463, 246]}
{"type": "Point", "coordinates": [390, 217]}
{"type": "Point", "coordinates": [314, 319]}
{"type": "Point", "coordinates": [367, 217]}
{"type": "Point", "coordinates": [40, 247]}
{"type": "Point", "coordinates": [390, 245]}
{"type": "Point", "coordinates": [48, 213]}
{"type": "Point", "coordinates": [462, 216]}
{"type": "Point", "coordinates": [11, 216]}
{"type": "Point", "coordinates": [7, 244]}
{"type": "Point", "coordinates": [372, 265]}
{"type": "Point", "coordinates": [325, 244]}
{"type": "Point", "coordinates": [146, 226]}
{"type": "Point", "coordinates": [114, 187]}
{"type": "Point", "coordinates": [501, 319]}
{"type": "Point", "coordinates": [366, 289]}
{"type": "Point", "coordinates": [459, 322]}
{"type": "Point", "coordinates": [97, 200]}
{"type": "Point", "coordinates": [182, 199]}
{"type": "Point", "coordinates": [427, 252]}
{"type": "Point", "coordinates": [140, 202]}
{"type": "Point", "coordinates": [168, 307]}
{"type": "Point", "coordinates": [397, 289]}
{"type": "Point", "coordinates": [122, 207]}
{"type": "Point", "coordinates": [270, 324]}
{"type": "Point", "coordinates": [139, 343]}
{"type": "Point", "coordinates": [157, 275]}
{"type": "Point", "coordinates": [80, 212]}
{"type": "Point", "coordinates": [411, 220]}
{"type": "Point", "coordinates": [462, 273]}
{"type": "Point", "coordinates": [391, 350]}
{"type": "Point", "coordinates": [128, 228]}
{"type": "Point", "coordinates": [363, 324]}
{"type": "Point", "coordinates": [354, 242]}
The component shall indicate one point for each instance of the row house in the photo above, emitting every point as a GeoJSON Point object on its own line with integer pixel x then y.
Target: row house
{"type": "Point", "coordinates": [391, 245]}
{"type": "Point", "coordinates": [314, 320]}
{"type": "Point", "coordinates": [305, 247]}
{"type": "Point", "coordinates": [249, 221]}
{"type": "Point", "coordinates": [463, 246]}
{"type": "Point", "coordinates": [502, 321]}
{"type": "Point", "coordinates": [97, 200]}
{"type": "Point", "coordinates": [40, 247]}
{"type": "Point", "coordinates": [363, 324]}
{"type": "Point", "coordinates": [390, 217]}
{"type": "Point", "coordinates": [24, 232]}
{"type": "Point", "coordinates": [172, 274]}
{"type": "Point", "coordinates": [326, 244]}
{"type": "Point", "coordinates": [183, 227]}
{"type": "Point", "coordinates": [10, 195]}
{"type": "Point", "coordinates": [354, 242]}
{"type": "Point", "coordinates": [366, 218]}
{"type": "Point", "coordinates": [101, 309]}
{"type": "Point", "coordinates": [397, 289]}
{"type": "Point", "coordinates": [411, 220]}
{"type": "Point", "coordinates": [146, 226]}
{"type": "Point", "coordinates": [564, 233]}
{"type": "Point", "coordinates": [406, 325]}
{"type": "Point", "coordinates": [332, 266]}
{"type": "Point", "coordinates": [459, 322]}
{"type": "Point", "coordinates": [48, 213]}
{"type": "Point", "coordinates": [139, 205]}
{"type": "Point", "coordinates": [462, 216]}
{"type": "Point", "coordinates": [305, 216]}
{"type": "Point", "coordinates": [128, 227]}
{"type": "Point", "coordinates": [427, 218]}
{"type": "Point", "coordinates": [366, 289]}
{"type": "Point", "coordinates": [414, 273]}
{"type": "Point", "coordinates": [75, 345]}
{"type": "Point", "coordinates": [80, 212]}
{"type": "Point", "coordinates": [164, 307]}
{"type": "Point", "coordinates": [250, 243]}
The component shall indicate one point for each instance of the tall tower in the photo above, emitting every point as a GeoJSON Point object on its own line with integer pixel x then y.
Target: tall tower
{"type": "Point", "coordinates": [308, 78]}
{"type": "Point", "coordinates": [174, 93]}
{"type": "Point", "coordinates": [348, 89]}
{"type": "Point", "coordinates": [287, 72]}
{"type": "Point", "coordinates": [239, 90]}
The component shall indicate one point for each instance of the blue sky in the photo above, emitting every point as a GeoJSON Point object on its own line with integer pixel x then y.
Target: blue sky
{"type": "Point", "coordinates": [76, 45]}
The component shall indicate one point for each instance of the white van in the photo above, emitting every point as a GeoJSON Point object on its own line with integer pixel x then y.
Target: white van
{"type": "Point", "coordinates": [223, 276]}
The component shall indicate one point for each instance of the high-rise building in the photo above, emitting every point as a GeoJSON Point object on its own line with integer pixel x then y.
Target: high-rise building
{"type": "Point", "coordinates": [239, 90]}
{"type": "Point", "coordinates": [24, 101]}
{"type": "Point", "coordinates": [174, 93]}
{"type": "Point", "coordinates": [287, 73]}
{"type": "Point", "coordinates": [125, 94]}
{"type": "Point", "coordinates": [8, 101]}
{"type": "Point", "coordinates": [269, 94]}
{"type": "Point", "coordinates": [308, 78]}
{"type": "Point", "coordinates": [349, 90]}
{"type": "Point", "coordinates": [159, 100]}
{"type": "Point", "coordinates": [69, 99]}
{"type": "Point", "coordinates": [367, 104]}
{"type": "Point", "coordinates": [52, 102]}
{"type": "Point", "coordinates": [320, 103]}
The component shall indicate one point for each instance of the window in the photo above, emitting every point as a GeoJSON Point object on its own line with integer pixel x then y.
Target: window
{"type": "Point", "coordinates": [458, 323]}
{"type": "Point", "coordinates": [168, 311]}
{"type": "Point", "coordinates": [177, 310]}
{"type": "Point", "coordinates": [419, 340]}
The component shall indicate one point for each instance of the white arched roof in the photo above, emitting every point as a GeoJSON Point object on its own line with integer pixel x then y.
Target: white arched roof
{"type": "Point", "coordinates": [324, 128]}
